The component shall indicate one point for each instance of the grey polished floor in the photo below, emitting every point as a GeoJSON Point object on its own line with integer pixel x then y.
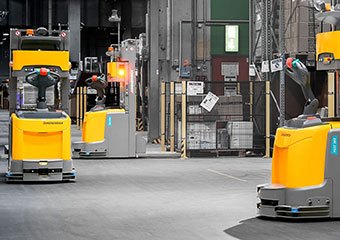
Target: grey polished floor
{"type": "Point", "coordinates": [150, 199]}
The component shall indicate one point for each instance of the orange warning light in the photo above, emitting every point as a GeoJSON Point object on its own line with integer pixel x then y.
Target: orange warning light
{"type": "Point", "coordinates": [30, 32]}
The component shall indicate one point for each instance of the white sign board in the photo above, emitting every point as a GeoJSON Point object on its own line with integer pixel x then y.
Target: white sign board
{"type": "Point", "coordinates": [265, 67]}
{"type": "Point", "coordinates": [276, 65]}
{"type": "Point", "coordinates": [252, 72]}
{"type": "Point", "coordinates": [209, 101]}
{"type": "Point", "coordinates": [194, 88]}
{"type": "Point", "coordinates": [230, 68]}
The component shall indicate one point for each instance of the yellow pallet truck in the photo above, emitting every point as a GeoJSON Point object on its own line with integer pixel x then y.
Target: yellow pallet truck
{"type": "Point", "coordinates": [40, 136]}
{"type": "Point", "coordinates": [306, 157]}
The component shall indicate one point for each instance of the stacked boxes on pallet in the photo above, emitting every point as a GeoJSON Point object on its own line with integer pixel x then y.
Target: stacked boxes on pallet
{"type": "Point", "coordinates": [240, 135]}
{"type": "Point", "coordinates": [228, 108]}
{"type": "Point", "coordinates": [301, 26]}
{"type": "Point", "coordinates": [201, 135]}
{"type": "Point", "coordinates": [201, 124]}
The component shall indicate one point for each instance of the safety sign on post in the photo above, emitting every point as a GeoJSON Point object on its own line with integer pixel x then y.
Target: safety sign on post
{"type": "Point", "coordinates": [276, 65]}
{"type": "Point", "coordinates": [195, 88]}
{"type": "Point", "coordinates": [209, 101]}
{"type": "Point", "coordinates": [265, 66]}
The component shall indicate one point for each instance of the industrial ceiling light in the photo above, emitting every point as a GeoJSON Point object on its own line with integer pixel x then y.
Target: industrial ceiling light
{"type": "Point", "coordinates": [114, 16]}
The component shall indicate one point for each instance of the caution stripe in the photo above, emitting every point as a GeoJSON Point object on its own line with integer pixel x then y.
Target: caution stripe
{"type": "Point", "coordinates": [183, 149]}
{"type": "Point", "coordinates": [140, 125]}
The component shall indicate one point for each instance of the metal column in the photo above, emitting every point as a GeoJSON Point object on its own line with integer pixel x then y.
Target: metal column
{"type": "Point", "coordinates": [172, 116]}
{"type": "Point", "coordinates": [331, 94]}
{"type": "Point", "coordinates": [282, 73]}
{"type": "Point", "coordinates": [74, 24]}
{"type": "Point", "coordinates": [50, 16]}
{"type": "Point", "coordinates": [154, 85]}
{"type": "Point", "coordinates": [266, 56]}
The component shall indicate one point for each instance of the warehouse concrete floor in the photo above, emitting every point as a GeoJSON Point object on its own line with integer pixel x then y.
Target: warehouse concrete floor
{"type": "Point", "coordinates": [150, 199]}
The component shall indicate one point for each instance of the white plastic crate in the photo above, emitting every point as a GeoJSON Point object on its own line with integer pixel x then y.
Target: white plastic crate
{"type": "Point", "coordinates": [241, 141]}
{"type": "Point", "coordinates": [240, 128]}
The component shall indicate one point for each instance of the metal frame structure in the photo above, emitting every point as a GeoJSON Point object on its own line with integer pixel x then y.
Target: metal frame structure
{"type": "Point", "coordinates": [265, 45]}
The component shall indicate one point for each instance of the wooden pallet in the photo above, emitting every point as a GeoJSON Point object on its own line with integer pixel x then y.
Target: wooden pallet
{"type": "Point", "coordinates": [216, 152]}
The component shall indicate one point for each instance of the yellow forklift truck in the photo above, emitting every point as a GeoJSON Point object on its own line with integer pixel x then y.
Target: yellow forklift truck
{"type": "Point", "coordinates": [306, 158]}
{"type": "Point", "coordinates": [111, 133]}
{"type": "Point", "coordinates": [40, 132]}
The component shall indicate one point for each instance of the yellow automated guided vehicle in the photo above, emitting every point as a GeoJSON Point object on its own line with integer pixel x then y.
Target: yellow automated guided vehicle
{"type": "Point", "coordinates": [40, 133]}
{"type": "Point", "coordinates": [306, 157]}
{"type": "Point", "coordinates": [111, 133]}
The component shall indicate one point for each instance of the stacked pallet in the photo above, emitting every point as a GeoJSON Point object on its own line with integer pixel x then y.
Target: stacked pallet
{"type": "Point", "coordinates": [301, 26]}
{"type": "Point", "coordinates": [240, 135]}
{"type": "Point", "coordinates": [228, 108]}
{"type": "Point", "coordinates": [201, 136]}
{"type": "Point", "coordinates": [208, 131]}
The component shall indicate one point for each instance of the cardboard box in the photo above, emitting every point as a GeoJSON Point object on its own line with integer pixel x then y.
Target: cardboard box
{"type": "Point", "coordinates": [240, 128]}
{"type": "Point", "coordinates": [241, 141]}
{"type": "Point", "coordinates": [194, 110]}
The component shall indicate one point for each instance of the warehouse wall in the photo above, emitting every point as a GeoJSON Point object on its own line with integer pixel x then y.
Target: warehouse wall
{"type": "Point", "coordinates": [169, 46]}
{"type": "Point", "coordinates": [94, 17]}
{"type": "Point", "coordinates": [229, 10]}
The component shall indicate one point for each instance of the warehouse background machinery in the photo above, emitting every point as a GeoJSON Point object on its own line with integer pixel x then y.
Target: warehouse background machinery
{"type": "Point", "coordinates": [174, 32]}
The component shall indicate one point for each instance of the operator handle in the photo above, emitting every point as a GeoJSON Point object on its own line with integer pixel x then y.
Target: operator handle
{"type": "Point", "coordinates": [42, 79]}
{"type": "Point", "coordinates": [99, 83]}
{"type": "Point", "coordinates": [299, 74]}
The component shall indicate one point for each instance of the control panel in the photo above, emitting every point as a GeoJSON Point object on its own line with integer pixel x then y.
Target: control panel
{"type": "Point", "coordinates": [326, 58]}
{"type": "Point", "coordinates": [35, 69]}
